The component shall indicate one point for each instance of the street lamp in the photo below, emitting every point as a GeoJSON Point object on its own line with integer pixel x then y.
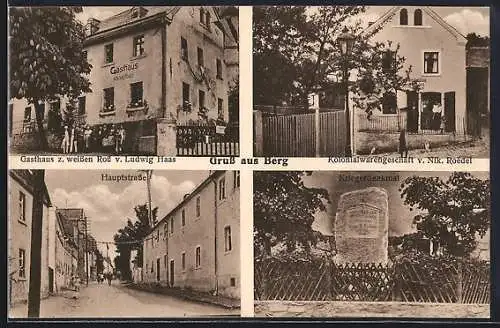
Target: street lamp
{"type": "Point", "coordinates": [346, 42]}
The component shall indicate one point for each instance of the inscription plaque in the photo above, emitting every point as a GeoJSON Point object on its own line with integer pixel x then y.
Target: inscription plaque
{"type": "Point", "coordinates": [362, 221]}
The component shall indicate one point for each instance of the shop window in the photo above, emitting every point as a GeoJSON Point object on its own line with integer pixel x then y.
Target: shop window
{"type": "Point", "coordinates": [136, 94]}
{"type": "Point", "coordinates": [184, 49]}
{"type": "Point", "coordinates": [219, 69]}
{"type": "Point", "coordinates": [417, 17]}
{"type": "Point", "coordinates": [138, 45]}
{"type": "Point", "coordinates": [108, 53]}
{"type": "Point", "coordinates": [227, 239]}
{"type": "Point", "coordinates": [109, 99]}
{"type": "Point", "coordinates": [431, 62]}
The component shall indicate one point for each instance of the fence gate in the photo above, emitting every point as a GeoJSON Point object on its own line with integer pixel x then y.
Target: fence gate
{"type": "Point", "coordinates": [295, 135]}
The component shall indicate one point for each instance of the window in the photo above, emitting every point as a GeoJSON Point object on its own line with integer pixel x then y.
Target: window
{"type": "Point", "coordinates": [184, 49]}
{"type": "Point", "coordinates": [227, 239]}
{"type": "Point", "coordinates": [165, 231]}
{"type": "Point", "coordinates": [138, 45]}
{"type": "Point", "coordinates": [183, 261]}
{"type": "Point", "coordinates": [171, 225]}
{"type": "Point", "coordinates": [198, 206]}
{"type": "Point", "coordinates": [220, 108]}
{"type": "Point", "coordinates": [136, 94]}
{"type": "Point", "coordinates": [135, 14]}
{"type": "Point", "coordinates": [389, 103]}
{"type": "Point", "coordinates": [388, 61]}
{"type": "Point", "coordinates": [22, 207]}
{"type": "Point", "coordinates": [198, 257]}
{"type": "Point", "coordinates": [236, 179]}
{"type": "Point", "coordinates": [108, 53]}
{"type": "Point", "coordinates": [431, 62]}
{"type": "Point", "coordinates": [27, 114]}
{"type": "Point", "coordinates": [152, 267]}
{"type": "Point", "coordinates": [22, 263]}
{"type": "Point", "coordinates": [403, 17]}
{"type": "Point", "coordinates": [183, 217]}
{"type": "Point", "coordinates": [185, 93]}
{"type": "Point", "coordinates": [81, 105]}
{"type": "Point", "coordinates": [222, 189]}
{"type": "Point", "coordinates": [85, 55]}
{"type": "Point", "coordinates": [232, 282]}
{"type": "Point", "coordinates": [417, 17]}
{"type": "Point", "coordinates": [109, 99]}
{"type": "Point", "coordinates": [202, 15]}
{"type": "Point", "coordinates": [200, 57]}
{"type": "Point", "coordinates": [207, 19]}
{"type": "Point", "coordinates": [219, 69]}
{"type": "Point", "coordinates": [201, 98]}
{"type": "Point", "coordinates": [165, 261]}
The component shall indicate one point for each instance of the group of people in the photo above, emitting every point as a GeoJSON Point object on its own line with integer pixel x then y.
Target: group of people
{"type": "Point", "coordinates": [106, 276]}
{"type": "Point", "coordinates": [84, 138]}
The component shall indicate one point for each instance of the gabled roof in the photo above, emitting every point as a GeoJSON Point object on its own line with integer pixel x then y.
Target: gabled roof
{"type": "Point", "coordinates": [428, 10]}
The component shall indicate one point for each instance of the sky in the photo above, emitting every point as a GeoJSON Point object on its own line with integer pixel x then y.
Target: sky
{"type": "Point", "coordinates": [464, 19]}
{"type": "Point", "coordinates": [400, 217]}
{"type": "Point", "coordinates": [107, 204]}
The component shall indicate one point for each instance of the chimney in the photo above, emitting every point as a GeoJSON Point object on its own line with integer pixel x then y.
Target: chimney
{"type": "Point", "coordinates": [92, 26]}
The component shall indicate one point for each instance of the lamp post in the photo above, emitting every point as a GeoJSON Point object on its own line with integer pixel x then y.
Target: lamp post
{"type": "Point", "coordinates": [346, 42]}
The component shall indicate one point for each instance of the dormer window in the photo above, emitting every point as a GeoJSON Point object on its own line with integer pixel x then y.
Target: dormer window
{"type": "Point", "coordinates": [202, 15]}
{"type": "Point", "coordinates": [135, 14]}
{"type": "Point", "coordinates": [417, 17]}
{"type": "Point", "coordinates": [403, 17]}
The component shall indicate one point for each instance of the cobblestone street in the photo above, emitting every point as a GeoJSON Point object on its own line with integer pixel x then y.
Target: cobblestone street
{"type": "Point", "coordinates": [119, 301]}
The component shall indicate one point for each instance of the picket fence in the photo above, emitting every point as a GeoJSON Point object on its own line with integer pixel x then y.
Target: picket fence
{"type": "Point", "coordinates": [407, 282]}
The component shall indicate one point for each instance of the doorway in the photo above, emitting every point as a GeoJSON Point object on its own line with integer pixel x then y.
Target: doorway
{"type": "Point", "coordinates": [413, 110]}
{"type": "Point", "coordinates": [449, 111]}
{"type": "Point", "coordinates": [171, 273]}
{"type": "Point", "coordinates": [158, 268]}
{"type": "Point", "coordinates": [51, 280]}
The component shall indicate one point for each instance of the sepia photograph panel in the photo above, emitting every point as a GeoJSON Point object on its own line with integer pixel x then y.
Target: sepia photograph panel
{"type": "Point", "coordinates": [109, 244]}
{"type": "Point", "coordinates": [124, 80]}
{"type": "Point", "coordinates": [372, 244]}
{"type": "Point", "coordinates": [348, 81]}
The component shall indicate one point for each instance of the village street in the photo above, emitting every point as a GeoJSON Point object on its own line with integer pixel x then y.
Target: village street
{"type": "Point", "coordinates": [103, 301]}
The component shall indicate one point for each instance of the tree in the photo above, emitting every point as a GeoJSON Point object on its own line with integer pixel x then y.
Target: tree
{"type": "Point", "coordinates": [131, 236]}
{"type": "Point", "coordinates": [284, 211]}
{"type": "Point", "coordinates": [296, 52]}
{"type": "Point", "coordinates": [46, 57]}
{"type": "Point", "coordinates": [475, 40]}
{"type": "Point", "coordinates": [234, 102]}
{"type": "Point", "coordinates": [452, 212]}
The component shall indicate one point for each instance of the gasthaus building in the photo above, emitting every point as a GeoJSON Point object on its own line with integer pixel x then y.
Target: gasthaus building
{"type": "Point", "coordinates": [155, 68]}
{"type": "Point", "coordinates": [196, 245]}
